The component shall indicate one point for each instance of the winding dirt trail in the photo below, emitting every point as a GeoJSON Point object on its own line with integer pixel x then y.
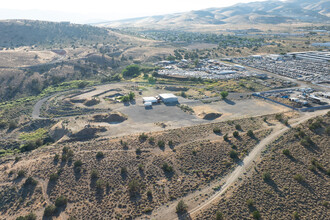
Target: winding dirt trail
{"type": "Point", "coordinates": [167, 211]}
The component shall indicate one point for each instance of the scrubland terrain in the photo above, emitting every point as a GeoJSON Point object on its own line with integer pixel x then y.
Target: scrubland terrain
{"type": "Point", "coordinates": [290, 181]}
{"type": "Point", "coordinates": [100, 187]}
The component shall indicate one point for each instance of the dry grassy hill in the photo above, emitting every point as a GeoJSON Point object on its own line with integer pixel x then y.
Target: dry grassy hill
{"type": "Point", "coordinates": [291, 181]}
{"type": "Point", "coordinates": [123, 178]}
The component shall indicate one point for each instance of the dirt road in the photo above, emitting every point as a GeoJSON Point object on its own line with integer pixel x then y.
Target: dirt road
{"type": "Point", "coordinates": [167, 211]}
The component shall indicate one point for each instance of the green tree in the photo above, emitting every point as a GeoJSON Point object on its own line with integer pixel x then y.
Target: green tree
{"type": "Point", "coordinates": [224, 94]}
{"type": "Point", "coordinates": [132, 71]}
{"type": "Point", "coordinates": [181, 207]}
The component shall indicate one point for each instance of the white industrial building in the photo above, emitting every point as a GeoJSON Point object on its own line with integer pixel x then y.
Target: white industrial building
{"type": "Point", "coordinates": [168, 98]}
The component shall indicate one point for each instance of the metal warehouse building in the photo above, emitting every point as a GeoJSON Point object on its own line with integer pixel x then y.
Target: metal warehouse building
{"type": "Point", "coordinates": [168, 98]}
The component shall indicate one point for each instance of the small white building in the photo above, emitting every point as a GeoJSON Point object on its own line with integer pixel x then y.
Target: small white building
{"type": "Point", "coordinates": [168, 98]}
{"type": "Point", "coordinates": [147, 104]}
{"type": "Point", "coordinates": [152, 100]}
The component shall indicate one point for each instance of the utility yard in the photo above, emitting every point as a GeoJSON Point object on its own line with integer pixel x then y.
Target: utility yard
{"type": "Point", "coordinates": [105, 99]}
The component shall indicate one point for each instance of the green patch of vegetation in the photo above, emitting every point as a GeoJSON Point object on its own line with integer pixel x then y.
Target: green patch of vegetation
{"type": "Point", "coordinates": [224, 94]}
{"type": "Point", "coordinates": [219, 215]}
{"type": "Point", "coordinates": [134, 187]}
{"type": "Point", "coordinates": [167, 168]}
{"type": "Point", "coordinates": [94, 174]}
{"type": "Point", "coordinates": [181, 207]}
{"type": "Point", "coordinates": [250, 133]}
{"type": "Point", "coordinates": [61, 201]}
{"type": "Point", "coordinates": [256, 215]}
{"type": "Point", "coordinates": [186, 108]}
{"type": "Point", "coordinates": [30, 181]}
{"type": "Point", "coordinates": [49, 210]}
{"type": "Point", "coordinates": [217, 130]}
{"type": "Point", "coordinates": [143, 137]}
{"type": "Point", "coordinates": [236, 134]}
{"type": "Point", "coordinates": [30, 216]}
{"type": "Point", "coordinates": [266, 176]}
{"type": "Point", "coordinates": [53, 177]}
{"type": "Point", "coordinates": [99, 155]}
{"type": "Point", "coordinates": [233, 154]}
{"type": "Point", "coordinates": [299, 178]}
{"type": "Point", "coordinates": [286, 152]}
{"type": "Point", "coordinates": [132, 71]}
{"type": "Point", "coordinates": [161, 144]}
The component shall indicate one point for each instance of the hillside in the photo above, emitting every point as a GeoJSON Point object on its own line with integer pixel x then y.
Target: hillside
{"type": "Point", "coordinates": [16, 33]}
{"type": "Point", "coordinates": [290, 182]}
{"type": "Point", "coordinates": [122, 178]}
{"type": "Point", "coordinates": [268, 12]}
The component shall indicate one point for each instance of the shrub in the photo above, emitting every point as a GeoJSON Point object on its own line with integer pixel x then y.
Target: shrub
{"type": "Point", "coordinates": [151, 140]}
{"type": "Point", "coordinates": [238, 127]}
{"type": "Point", "coordinates": [30, 216]}
{"type": "Point", "coordinates": [299, 178]}
{"type": "Point", "coordinates": [65, 150]}
{"type": "Point", "coordinates": [170, 143]}
{"type": "Point", "coordinates": [20, 173]}
{"type": "Point", "coordinates": [134, 187]}
{"type": "Point", "coordinates": [149, 194]}
{"type": "Point", "coordinates": [30, 181]}
{"type": "Point", "coordinates": [315, 125]}
{"type": "Point", "coordinates": [236, 134]}
{"type": "Point", "coordinates": [217, 130]}
{"type": "Point", "coordinates": [138, 151]}
{"type": "Point", "coordinates": [131, 71]}
{"type": "Point", "coordinates": [256, 215]}
{"type": "Point", "coordinates": [123, 170]}
{"type": "Point", "coordinates": [266, 176]}
{"type": "Point", "coordinates": [327, 130]}
{"type": "Point", "coordinates": [49, 210]}
{"type": "Point", "coordinates": [181, 207]}
{"type": "Point", "coordinates": [53, 177]}
{"type": "Point", "coordinates": [224, 94]}
{"type": "Point", "coordinates": [250, 202]}
{"type": "Point", "coordinates": [279, 117]}
{"type": "Point", "coordinates": [94, 174]}
{"type": "Point", "coordinates": [307, 141]}
{"type": "Point", "coordinates": [140, 167]}
{"type": "Point", "coordinates": [233, 154]}
{"type": "Point", "coordinates": [77, 164]}
{"type": "Point", "coordinates": [167, 168]}
{"type": "Point", "coordinates": [328, 172]}
{"type": "Point", "coordinates": [250, 133]}
{"type": "Point", "coordinates": [286, 152]}
{"type": "Point", "coordinates": [56, 157]}
{"type": "Point", "coordinates": [3, 124]}
{"type": "Point", "coordinates": [218, 215]}
{"type": "Point", "coordinates": [317, 164]}
{"type": "Point", "coordinates": [99, 155]}
{"type": "Point", "coordinates": [143, 137]}
{"type": "Point", "coordinates": [225, 137]}
{"type": "Point", "coordinates": [99, 184]}
{"type": "Point", "coordinates": [295, 215]}
{"type": "Point", "coordinates": [161, 144]}
{"type": "Point", "coordinates": [61, 201]}
{"type": "Point", "coordinates": [12, 125]}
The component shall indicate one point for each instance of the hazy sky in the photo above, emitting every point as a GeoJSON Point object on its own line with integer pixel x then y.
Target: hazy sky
{"type": "Point", "coordinates": [82, 10]}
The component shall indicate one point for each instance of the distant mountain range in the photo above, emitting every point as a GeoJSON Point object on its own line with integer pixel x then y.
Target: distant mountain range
{"type": "Point", "coordinates": [267, 12]}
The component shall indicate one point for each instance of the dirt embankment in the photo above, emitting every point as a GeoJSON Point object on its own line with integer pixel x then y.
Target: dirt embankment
{"type": "Point", "coordinates": [114, 117]}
